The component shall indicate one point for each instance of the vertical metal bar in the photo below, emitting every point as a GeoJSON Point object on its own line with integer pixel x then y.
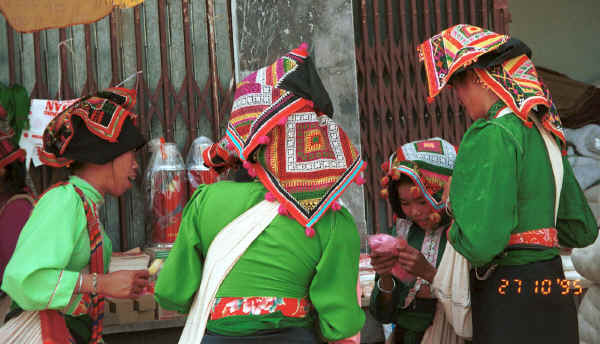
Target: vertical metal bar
{"type": "Point", "coordinates": [438, 15]}
{"type": "Point", "coordinates": [141, 83]}
{"type": "Point", "coordinates": [189, 73]}
{"type": "Point", "coordinates": [164, 65]}
{"type": "Point", "coordinates": [11, 54]}
{"type": "Point", "coordinates": [484, 15]}
{"type": "Point", "coordinates": [426, 18]}
{"type": "Point", "coordinates": [90, 82]}
{"type": "Point", "coordinates": [65, 90]}
{"type": "Point", "coordinates": [231, 52]}
{"type": "Point", "coordinates": [115, 37]}
{"type": "Point", "coordinates": [449, 14]}
{"type": "Point", "coordinates": [40, 90]}
{"type": "Point", "coordinates": [472, 13]}
{"type": "Point", "coordinates": [214, 77]}
{"type": "Point", "coordinates": [461, 11]}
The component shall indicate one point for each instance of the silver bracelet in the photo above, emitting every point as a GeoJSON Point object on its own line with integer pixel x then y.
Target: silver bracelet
{"type": "Point", "coordinates": [385, 290]}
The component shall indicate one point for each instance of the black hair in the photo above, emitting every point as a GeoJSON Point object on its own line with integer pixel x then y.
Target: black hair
{"type": "Point", "coordinates": [394, 197]}
{"type": "Point", "coordinates": [241, 175]}
{"type": "Point", "coordinates": [458, 78]}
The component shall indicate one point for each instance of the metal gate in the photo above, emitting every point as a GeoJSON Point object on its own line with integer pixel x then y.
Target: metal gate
{"type": "Point", "coordinates": [391, 81]}
{"type": "Point", "coordinates": [182, 54]}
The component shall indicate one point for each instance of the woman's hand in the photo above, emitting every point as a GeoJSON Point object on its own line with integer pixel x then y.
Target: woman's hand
{"type": "Point", "coordinates": [124, 284]}
{"type": "Point", "coordinates": [446, 193]}
{"type": "Point", "coordinates": [413, 261]}
{"type": "Point", "coordinates": [383, 264]}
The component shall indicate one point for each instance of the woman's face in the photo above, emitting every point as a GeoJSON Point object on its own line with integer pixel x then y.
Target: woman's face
{"type": "Point", "coordinates": [471, 96]}
{"type": "Point", "coordinates": [124, 172]}
{"type": "Point", "coordinates": [414, 205]}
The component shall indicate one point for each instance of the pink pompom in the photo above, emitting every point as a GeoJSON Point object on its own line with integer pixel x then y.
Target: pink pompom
{"type": "Point", "coordinates": [303, 45]}
{"type": "Point", "coordinates": [247, 164]}
{"type": "Point", "coordinates": [282, 210]}
{"type": "Point", "coordinates": [252, 172]}
{"type": "Point", "coordinates": [264, 140]}
{"type": "Point", "coordinates": [360, 181]}
{"type": "Point", "coordinates": [230, 147]}
{"type": "Point", "coordinates": [336, 206]}
{"type": "Point", "coordinates": [270, 197]}
{"type": "Point", "coordinates": [310, 232]}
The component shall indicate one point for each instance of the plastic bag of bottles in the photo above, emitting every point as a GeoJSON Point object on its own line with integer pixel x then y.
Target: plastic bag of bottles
{"type": "Point", "coordinates": [166, 183]}
{"type": "Point", "coordinates": [196, 171]}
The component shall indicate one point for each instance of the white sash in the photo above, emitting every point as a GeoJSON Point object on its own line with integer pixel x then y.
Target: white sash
{"type": "Point", "coordinates": [224, 251]}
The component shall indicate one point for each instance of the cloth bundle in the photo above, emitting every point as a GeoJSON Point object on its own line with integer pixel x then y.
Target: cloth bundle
{"type": "Point", "coordinates": [384, 244]}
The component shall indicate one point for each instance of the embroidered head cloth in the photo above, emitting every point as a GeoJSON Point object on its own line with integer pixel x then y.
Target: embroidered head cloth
{"type": "Point", "coordinates": [428, 163]}
{"type": "Point", "coordinates": [501, 62]}
{"type": "Point", "coordinates": [14, 111]}
{"type": "Point", "coordinates": [102, 123]}
{"type": "Point", "coordinates": [280, 127]}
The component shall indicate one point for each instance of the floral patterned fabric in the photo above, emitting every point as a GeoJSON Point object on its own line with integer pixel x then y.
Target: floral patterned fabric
{"type": "Point", "coordinates": [289, 307]}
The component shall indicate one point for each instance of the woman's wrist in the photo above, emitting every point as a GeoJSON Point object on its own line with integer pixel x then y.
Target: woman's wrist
{"type": "Point", "coordinates": [430, 275]}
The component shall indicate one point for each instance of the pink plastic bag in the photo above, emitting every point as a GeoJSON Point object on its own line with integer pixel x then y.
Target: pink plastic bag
{"type": "Point", "coordinates": [384, 244]}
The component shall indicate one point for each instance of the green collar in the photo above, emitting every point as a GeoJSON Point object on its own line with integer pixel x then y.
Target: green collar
{"type": "Point", "coordinates": [88, 190]}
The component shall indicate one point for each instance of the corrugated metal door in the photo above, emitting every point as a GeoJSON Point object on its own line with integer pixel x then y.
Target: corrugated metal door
{"type": "Point", "coordinates": [183, 51]}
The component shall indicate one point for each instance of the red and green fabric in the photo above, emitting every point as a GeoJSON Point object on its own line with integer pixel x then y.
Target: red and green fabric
{"type": "Point", "coordinates": [280, 128]}
{"type": "Point", "coordinates": [102, 123]}
{"type": "Point", "coordinates": [503, 188]}
{"type": "Point", "coordinates": [513, 79]}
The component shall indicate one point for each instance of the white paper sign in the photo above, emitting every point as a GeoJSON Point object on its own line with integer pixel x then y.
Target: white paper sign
{"type": "Point", "coordinates": [41, 112]}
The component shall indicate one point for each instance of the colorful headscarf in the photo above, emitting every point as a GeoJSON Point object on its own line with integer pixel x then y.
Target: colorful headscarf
{"type": "Point", "coordinates": [428, 164]}
{"type": "Point", "coordinates": [501, 63]}
{"type": "Point", "coordinates": [95, 129]}
{"type": "Point", "coordinates": [280, 127]}
{"type": "Point", "coordinates": [14, 110]}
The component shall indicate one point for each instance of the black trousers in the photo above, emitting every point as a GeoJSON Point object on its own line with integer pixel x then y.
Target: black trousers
{"type": "Point", "coordinates": [527, 304]}
{"type": "Point", "coordinates": [294, 335]}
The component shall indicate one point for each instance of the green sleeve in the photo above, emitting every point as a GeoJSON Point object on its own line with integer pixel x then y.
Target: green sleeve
{"type": "Point", "coordinates": [36, 277]}
{"type": "Point", "coordinates": [576, 223]}
{"type": "Point", "coordinates": [333, 288]}
{"type": "Point", "coordinates": [180, 277]}
{"type": "Point", "coordinates": [483, 195]}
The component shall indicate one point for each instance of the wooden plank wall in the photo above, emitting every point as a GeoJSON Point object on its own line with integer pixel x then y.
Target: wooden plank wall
{"type": "Point", "coordinates": [180, 80]}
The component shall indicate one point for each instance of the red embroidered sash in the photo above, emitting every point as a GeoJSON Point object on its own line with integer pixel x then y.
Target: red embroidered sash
{"type": "Point", "coordinates": [288, 306]}
{"type": "Point", "coordinates": [547, 237]}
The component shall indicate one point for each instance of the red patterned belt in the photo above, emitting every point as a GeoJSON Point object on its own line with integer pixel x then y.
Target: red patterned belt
{"type": "Point", "coordinates": [547, 237]}
{"type": "Point", "coordinates": [260, 305]}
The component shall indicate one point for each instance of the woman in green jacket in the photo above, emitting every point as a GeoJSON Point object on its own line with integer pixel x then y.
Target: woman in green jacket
{"type": "Point", "coordinates": [509, 221]}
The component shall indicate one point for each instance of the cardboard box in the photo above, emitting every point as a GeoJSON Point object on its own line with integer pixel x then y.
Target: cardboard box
{"type": "Point", "coordinates": [110, 317]}
{"type": "Point", "coordinates": [144, 303]}
{"type": "Point", "coordinates": [146, 315]}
